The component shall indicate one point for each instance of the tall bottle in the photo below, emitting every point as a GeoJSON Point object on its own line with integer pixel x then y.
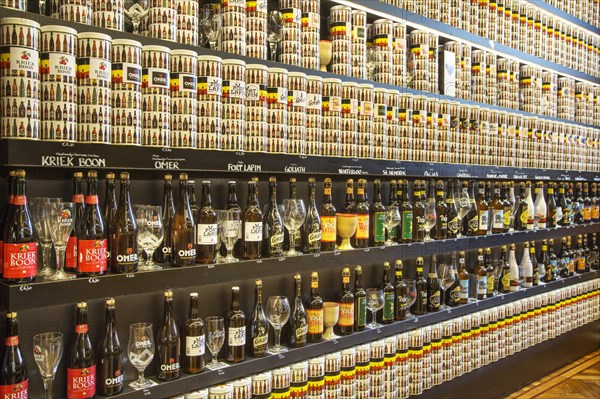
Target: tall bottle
{"type": "Point", "coordinates": [14, 379]}
{"type": "Point", "coordinates": [109, 208]}
{"type": "Point", "coordinates": [311, 228]}
{"type": "Point", "coordinates": [578, 203]}
{"type": "Point", "coordinates": [19, 245]}
{"type": "Point", "coordinates": [191, 189]}
{"type": "Point", "coordinates": [9, 204]}
{"type": "Point", "coordinates": [463, 279]}
{"type": "Point", "coordinates": [522, 214]}
{"type": "Point", "coordinates": [81, 363]}
{"type": "Point", "coordinates": [507, 208]}
{"type": "Point", "coordinates": [420, 305]}
{"type": "Point", "coordinates": [580, 262]}
{"type": "Point", "coordinates": [453, 292]}
{"type": "Point", "coordinates": [361, 237]}
{"type": "Point", "coordinates": [419, 210]}
{"type": "Point", "coordinates": [92, 234]}
{"type": "Point", "coordinates": [252, 228]}
{"type": "Point", "coordinates": [595, 212]}
{"type": "Point", "coordinates": [377, 217]}
{"type": "Point", "coordinates": [167, 343]}
{"type": "Point", "coordinates": [570, 198]}
{"type": "Point", "coordinates": [258, 326]}
{"type": "Point", "coordinates": [441, 208]}
{"type": "Point", "coordinates": [551, 217]}
{"type": "Point", "coordinates": [512, 202]}
{"type": "Point", "coordinates": [497, 207]}
{"type": "Point", "coordinates": [296, 241]}
{"type": "Point", "coordinates": [514, 270]}
{"type": "Point", "coordinates": [541, 209]}
{"type": "Point", "coordinates": [273, 225]}
{"type": "Point", "coordinates": [194, 339]}
{"type": "Point", "coordinates": [594, 257]}
{"type": "Point", "coordinates": [314, 311]}
{"type": "Point", "coordinates": [124, 233]}
{"type": "Point", "coordinates": [236, 329]}
{"type": "Point", "coordinates": [406, 210]}
{"type": "Point", "coordinates": [534, 264]}
{"type": "Point", "coordinates": [569, 256]}
{"type": "Point", "coordinates": [183, 248]}
{"type": "Point", "coordinates": [471, 220]}
{"type": "Point", "coordinates": [345, 324]}
{"type": "Point", "coordinates": [79, 200]}
{"type": "Point", "coordinates": [298, 318]}
{"type": "Point", "coordinates": [232, 203]}
{"type": "Point", "coordinates": [504, 285]}
{"type": "Point", "coordinates": [481, 276]}
{"type": "Point", "coordinates": [400, 293]}
{"type": "Point", "coordinates": [530, 206]}
{"type": "Point", "coordinates": [393, 202]}
{"type": "Point", "coordinates": [387, 315]}
{"type": "Point", "coordinates": [206, 228]}
{"type": "Point", "coordinates": [433, 287]}
{"type": "Point", "coordinates": [587, 204]}
{"type": "Point", "coordinates": [482, 210]}
{"type": "Point", "coordinates": [544, 263]}
{"type": "Point", "coordinates": [360, 300]}
{"type": "Point", "coordinates": [586, 253]}
{"type": "Point", "coordinates": [526, 268]}
{"type": "Point", "coordinates": [163, 253]}
{"type": "Point", "coordinates": [453, 226]}
{"type": "Point", "coordinates": [110, 355]}
{"type": "Point", "coordinates": [563, 259]}
{"type": "Point", "coordinates": [562, 209]}
{"type": "Point", "coordinates": [328, 219]}
{"type": "Point", "coordinates": [489, 269]}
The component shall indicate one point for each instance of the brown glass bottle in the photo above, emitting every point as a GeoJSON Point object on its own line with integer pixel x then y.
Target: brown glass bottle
{"type": "Point", "coordinates": [406, 210]}
{"type": "Point", "coordinates": [328, 219]}
{"type": "Point", "coordinates": [194, 339]}
{"type": "Point", "coordinates": [419, 210]}
{"type": "Point", "coordinates": [551, 218]}
{"type": "Point", "coordinates": [452, 215]}
{"type": "Point", "coordinates": [482, 210]}
{"type": "Point", "coordinates": [79, 205]}
{"type": "Point", "coordinates": [314, 311]}
{"type": "Point", "coordinates": [360, 300]}
{"type": "Point", "coordinates": [433, 287]}
{"type": "Point", "coordinates": [92, 234]}
{"type": "Point", "coordinates": [232, 203]}
{"type": "Point", "coordinates": [272, 245]}
{"type": "Point", "coordinates": [481, 275]}
{"type": "Point", "coordinates": [497, 207]}
{"type": "Point", "coordinates": [441, 208]}
{"type": "Point", "coordinates": [14, 378]}
{"type": "Point", "coordinates": [504, 283]}
{"type": "Point", "coordinates": [298, 318]}
{"type": "Point", "coordinates": [420, 305]}
{"type": "Point", "coordinates": [392, 234]}
{"type": "Point", "coordinates": [387, 316]}
{"type": "Point", "coordinates": [489, 269]}
{"type": "Point", "coordinates": [183, 249]}
{"type": "Point", "coordinates": [563, 204]}
{"type": "Point", "coordinates": [311, 228]}
{"type": "Point", "coordinates": [587, 204]}
{"type": "Point", "coordinates": [507, 212]}
{"type": "Point", "coordinates": [361, 237]}
{"type": "Point", "coordinates": [236, 332]}
{"type": "Point", "coordinates": [168, 343]}
{"type": "Point", "coordinates": [163, 252]}
{"type": "Point", "coordinates": [463, 278]}
{"type": "Point", "coordinates": [191, 188]}
{"type": "Point", "coordinates": [345, 324]}
{"type": "Point", "coordinates": [258, 326]}
{"type": "Point", "coordinates": [124, 244]}
{"type": "Point", "coordinates": [400, 293]}
{"type": "Point", "coordinates": [81, 362]}
{"type": "Point", "coordinates": [580, 201]}
{"type": "Point", "coordinates": [377, 217]}
{"type": "Point", "coordinates": [206, 228]}
{"type": "Point", "coordinates": [11, 191]}
{"type": "Point", "coordinates": [109, 208]}
{"type": "Point", "coordinates": [522, 213]}
{"type": "Point", "coordinates": [110, 355]}
{"type": "Point", "coordinates": [471, 220]}
{"type": "Point", "coordinates": [595, 204]}
{"type": "Point", "coordinates": [453, 292]}
{"type": "Point", "coordinates": [252, 228]}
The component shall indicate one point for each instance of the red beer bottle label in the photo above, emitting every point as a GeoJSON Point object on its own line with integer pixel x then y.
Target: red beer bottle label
{"type": "Point", "coordinates": [14, 391]}
{"type": "Point", "coordinates": [20, 260]}
{"type": "Point", "coordinates": [91, 256]}
{"type": "Point", "coordinates": [81, 383]}
{"type": "Point", "coordinates": [11, 341]}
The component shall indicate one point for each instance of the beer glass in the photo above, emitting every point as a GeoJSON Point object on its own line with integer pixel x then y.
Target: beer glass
{"type": "Point", "coordinates": [278, 313]}
{"type": "Point", "coordinates": [215, 337]}
{"type": "Point", "coordinates": [375, 303]}
{"type": "Point", "coordinates": [60, 220]}
{"type": "Point", "coordinates": [463, 203]}
{"type": "Point", "coordinates": [211, 21]}
{"type": "Point", "coordinates": [430, 219]}
{"type": "Point", "coordinates": [447, 276]}
{"type": "Point", "coordinates": [140, 350]}
{"type": "Point", "coordinates": [293, 215]}
{"type": "Point", "coordinates": [411, 288]}
{"type": "Point", "coordinates": [230, 230]}
{"type": "Point", "coordinates": [151, 232]}
{"type": "Point", "coordinates": [135, 11]}
{"type": "Point", "coordinates": [274, 32]}
{"type": "Point", "coordinates": [38, 215]}
{"type": "Point", "coordinates": [47, 352]}
{"type": "Point", "coordinates": [392, 219]}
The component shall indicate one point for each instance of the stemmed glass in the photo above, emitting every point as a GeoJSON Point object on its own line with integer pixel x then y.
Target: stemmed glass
{"type": "Point", "coordinates": [430, 218]}
{"type": "Point", "coordinates": [498, 266]}
{"type": "Point", "coordinates": [135, 10]}
{"type": "Point", "coordinates": [278, 313]}
{"type": "Point", "coordinates": [392, 219]}
{"type": "Point", "coordinates": [274, 31]}
{"type": "Point", "coordinates": [446, 276]}
{"type": "Point", "coordinates": [331, 315]}
{"type": "Point", "coordinates": [294, 213]}
{"type": "Point", "coordinates": [47, 352]}
{"type": "Point", "coordinates": [215, 337]}
{"type": "Point", "coordinates": [230, 228]}
{"type": "Point", "coordinates": [411, 290]}
{"type": "Point", "coordinates": [39, 209]}
{"type": "Point", "coordinates": [140, 350]}
{"type": "Point", "coordinates": [375, 303]}
{"type": "Point", "coordinates": [151, 232]}
{"type": "Point", "coordinates": [463, 204]}
{"type": "Point", "coordinates": [60, 221]}
{"type": "Point", "coordinates": [211, 21]}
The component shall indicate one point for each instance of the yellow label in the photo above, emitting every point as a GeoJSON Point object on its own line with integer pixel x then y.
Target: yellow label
{"type": "Point", "coordinates": [524, 216]}
{"type": "Point", "coordinates": [315, 321]}
{"type": "Point", "coordinates": [346, 314]}
{"type": "Point", "coordinates": [362, 227]}
{"type": "Point", "coordinates": [328, 228]}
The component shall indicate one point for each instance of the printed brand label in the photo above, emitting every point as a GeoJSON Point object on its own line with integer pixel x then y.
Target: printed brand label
{"type": "Point", "coordinates": [19, 260]}
{"type": "Point", "coordinates": [91, 199]}
{"type": "Point", "coordinates": [78, 198]}
{"type": "Point", "coordinates": [313, 101]}
{"type": "Point", "coordinates": [464, 289]}
{"type": "Point", "coordinates": [24, 59]}
{"type": "Point", "coordinates": [15, 391]}
{"type": "Point", "coordinates": [253, 231]}
{"type": "Point", "coordinates": [361, 310]}
{"type": "Point", "coordinates": [194, 346]}
{"type": "Point", "coordinates": [91, 256]}
{"type": "Point", "coordinates": [388, 306]}
{"type": "Point", "coordinates": [314, 238]}
{"type": "Point", "coordinates": [481, 285]}
{"type": "Point", "coordinates": [407, 225]}
{"type": "Point", "coordinates": [346, 314]}
{"type": "Point", "coordinates": [498, 219]}
{"type": "Point", "coordinates": [183, 82]}
{"type": "Point", "coordinates": [11, 341]}
{"type": "Point", "coordinates": [379, 228]}
{"type": "Point", "coordinates": [237, 336]}
{"type": "Point", "coordinates": [81, 328]}
{"type": "Point", "coordinates": [60, 65]}
{"type": "Point", "coordinates": [362, 227]}
{"type": "Point", "coordinates": [315, 321]}
{"type": "Point", "coordinates": [155, 77]}
{"type": "Point", "coordinates": [490, 283]}
{"type": "Point", "coordinates": [253, 92]}
{"type": "Point", "coordinates": [328, 228]}
{"type": "Point", "coordinates": [100, 69]}
{"type": "Point", "coordinates": [483, 220]}
{"type": "Point", "coordinates": [260, 340]}
{"type": "Point", "coordinates": [297, 98]}
{"type": "Point", "coordinates": [81, 383]}
{"type": "Point", "coordinates": [235, 89]}
{"type": "Point", "coordinates": [276, 239]}
{"type": "Point", "coordinates": [206, 234]}
{"type": "Point", "coordinates": [126, 73]}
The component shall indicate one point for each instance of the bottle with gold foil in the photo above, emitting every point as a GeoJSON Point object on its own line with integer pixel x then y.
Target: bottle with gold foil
{"type": "Point", "coordinates": [387, 315]}
{"type": "Point", "coordinates": [183, 250]}
{"type": "Point", "coordinates": [453, 221]}
{"type": "Point", "coordinates": [551, 216]}
{"type": "Point", "coordinates": [433, 287]}
{"type": "Point", "coordinates": [587, 204]}
{"type": "Point", "coordinates": [489, 269]}
{"type": "Point", "coordinates": [360, 300]}
{"type": "Point", "coordinates": [314, 311]}
{"type": "Point", "coordinates": [298, 317]}
{"type": "Point", "coordinates": [482, 210]}
{"type": "Point", "coordinates": [272, 235]}
{"type": "Point", "coordinates": [311, 228]}
{"type": "Point", "coordinates": [419, 210]}
{"type": "Point", "coordinates": [392, 234]}
{"type": "Point", "coordinates": [206, 229]}
{"type": "Point", "coordinates": [377, 217]}
{"type": "Point", "coordinates": [328, 219]}
{"type": "Point", "coordinates": [442, 211]}
{"type": "Point", "coordinates": [124, 233]}
{"type": "Point", "coordinates": [595, 213]}
{"type": "Point", "coordinates": [420, 305]}
{"type": "Point", "coordinates": [252, 228]}
{"type": "Point", "coordinates": [361, 237]}
{"type": "Point", "coordinates": [258, 326]}
{"type": "Point", "coordinates": [406, 210]}
{"type": "Point", "coordinates": [400, 293]}
{"type": "Point", "coordinates": [345, 324]}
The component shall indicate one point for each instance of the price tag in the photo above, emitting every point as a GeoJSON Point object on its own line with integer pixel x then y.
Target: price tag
{"type": "Point", "coordinates": [130, 275]}
{"type": "Point", "coordinates": [25, 288]}
{"type": "Point", "coordinates": [280, 356]}
{"type": "Point", "coordinates": [378, 331]}
{"type": "Point", "coordinates": [93, 280]}
{"type": "Point", "coordinates": [316, 255]}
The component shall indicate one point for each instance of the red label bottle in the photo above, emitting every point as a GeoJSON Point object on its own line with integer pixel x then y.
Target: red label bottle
{"type": "Point", "coordinates": [92, 234]}
{"type": "Point", "coordinates": [78, 200]}
{"type": "Point", "coordinates": [81, 363]}
{"type": "Point", "coordinates": [13, 370]}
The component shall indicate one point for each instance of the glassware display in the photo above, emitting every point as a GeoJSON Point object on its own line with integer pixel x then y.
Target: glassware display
{"type": "Point", "coordinates": [140, 350]}
{"type": "Point", "coordinates": [375, 303]}
{"type": "Point", "coordinates": [278, 313]}
{"type": "Point", "coordinates": [47, 352]}
{"type": "Point", "coordinates": [150, 233]}
{"type": "Point", "coordinates": [60, 221]}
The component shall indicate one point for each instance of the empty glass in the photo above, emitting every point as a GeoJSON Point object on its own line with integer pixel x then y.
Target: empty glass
{"type": "Point", "coordinates": [411, 289]}
{"type": "Point", "coordinates": [331, 315]}
{"type": "Point", "coordinates": [230, 230]}
{"type": "Point", "coordinates": [430, 219]}
{"type": "Point", "coordinates": [463, 204]}
{"type": "Point", "coordinates": [274, 31]}
{"type": "Point", "coordinates": [215, 337]}
{"type": "Point", "coordinates": [211, 21]}
{"type": "Point", "coordinates": [151, 232]}
{"type": "Point", "coordinates": [375, 302]}
{"type": "Point", "coordinates": [278, 313]}
{"type": "Point", "coordinates": [293, 215]}
{"type": "Point", "coordinates": [447, 276]}
{"type": "Point", "coordinates": [39, 209]}
{"type": "Point", "coordinates": [392, 219]}
{"type": "Point", "coordinates": [140, 350]}
{"type": "Point", "coordinates": [47, 352]}
{"type": "Point", "coordinates": [60, 221]}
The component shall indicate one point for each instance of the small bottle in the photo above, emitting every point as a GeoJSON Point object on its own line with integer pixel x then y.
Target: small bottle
{"type": "Point", "coordinates": [194, 338]}
{"type": "Point", "coordinates": [298, 318]}
{"type": "Point", "coordinates": [345, 324]}
{"type": "Point", "coordinates": [360, 300]}
{"type": "Point", "coordinates": [328, 219]}
{"type": "Point", "coordinates": [361, 237]}
{"type": "Point", "coordinates": [314, 311]}
{"type": "Point", "coordinates": [258, 326]}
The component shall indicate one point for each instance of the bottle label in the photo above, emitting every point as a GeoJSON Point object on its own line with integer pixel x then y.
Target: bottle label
{"type": "Point", "coordinates": [474, 223]}
{"type": "Point", "coordinates": [301, 333]}
{"type": "Point", "coordinates": [81, 383]}
{"type": "Point", "coordinates": [91, 199]}
{"type": "Point", "coordinates": [506, 282]}
{"type": "Point", "coordinates": [435, 299]}
{"type": "Point", "coordinates": [361, 310]}
{"type": "Point", "coordinates": [78, 198]}
{"type": "Point", "coordinates": [482, 285]}
{"type": "Point", "coordinates": [581, 263]}
{"type": "Point", "coordinates": [194, 345]}
{"type": "Point", "coordinates": [595, 211]}
{"type": "Point", "coordinates": [453, 225]}
{"type": "Point", "coordinates": [507, 216]}
{"type": "Point", "coordinates": [388, 306]}
{"type": "Point", "coordinates": [81, 328]}
{"type": "Point", "coordinates": [464, 289]}
{"type": "Point", "coordinates": [20, 260]}
{"type": "Point", "coordinates": [71, 253]}
{"type": "Point", "coordinates": [15, 391]}
{"type": "Point", "coordinates": [498, 219]}
{"type": "Point", "coordinates": [115, 381]}
{"type": "Point", "coordinates": [206, 234]}
{"type": "Point", "coordinates": [253, 231]}
{"type": "Point", "coordinates": [237, 336]}
{"type": "Point", "coordinates": [524, 216]}
{"type": "Point", "coordinates": [92, 256]}
{"type": "Point", "coordinates": [455, 294]}
{"type": "Point", "coordinates": [11, 341]}
{"type": "Point", "coordinates": [276, 239]}
{"type": "Point", "coordinates": [169, 365]}
{"type": "Point", "coordinates": [379, 228]}
{"type": "Point", "coordinates": [346, 314]}
{"type": "Point", "coordinates": [328, 228]}
{"type": "Point", "coordinates": [483, 220]}
{"type": "Point", "coordinates": [407, 225]}
{"type": "Point", "coordinates": [315, 321]}
{"type": "Point", "coordinates": [490, 283]}
{"type": "Point", "coordinates": [362, 227]}
{"type": "Point", "coordinates": [260, 340]}
{"type": "Point", "coordinates": [587, 213]}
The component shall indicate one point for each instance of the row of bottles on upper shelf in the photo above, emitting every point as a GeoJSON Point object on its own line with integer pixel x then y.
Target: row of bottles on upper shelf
{"type": "Point", "coordinates": [311, 321]}
{"type": "Point", "coordinates": [90, 240]}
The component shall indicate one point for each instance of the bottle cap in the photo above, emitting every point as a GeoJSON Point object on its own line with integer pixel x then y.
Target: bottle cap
{"type": "Point", "coordinates": [272, 179]}
{"type": "Point", "coordinates": [168, 294]}
{"type": "Point", "coordinates": [124, 175]}
{"type": "Point", "coordinates": [183, 176]}
{"type": "Point", "coordinates": [11, 315]}
{"type": "Point", "coordinates": [110, 176]}
{"type": "Point", "coordinates": [386, 265]}
{"type": "Point", "coordinates": [110, 301]}
{"type": "Point", "coordinates": [420, 259]}
{"type": "Point", "coordinates": [235, 289]}
{"type": "Point", "coordinates": [293, 180]}
{"type": "Point", "coordinates": [258, 282]}
{"type": "Point", "coordinates": [398, 263]}
{"type": "Point", "coordinates": [327, 180]}
{"type": "Point", "coordinates": [76, 175]}
{"type": "Point", "coordinates": [297, 277]}
{"type": "Point", "coordinates": [314, 275]}
{"type": "Point", "coordinates": [168, 177]}
{"type": "Point", "coordinates": [311, 180]}
{"type": "Point", "coordinates": [81, 305]}
{"type": "Point", "coordinates": [358, 268]}
{"type": "Point", "coordinates": [231, 182]}
{"type": "Point", "coordinates": [92, 174]}
{"type": "Point", "coordinates": [194, 294]}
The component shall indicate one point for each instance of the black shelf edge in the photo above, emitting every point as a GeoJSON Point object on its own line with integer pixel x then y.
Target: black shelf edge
{"type": "Point", "coordinates": [451, 32]}
{"type": "Point", "coordinates": [253, 366]}
{"type": "Point", "coordinates": [48, 154]}
{"type": "Point", "coordinates": [565, 15]}
{"type": "Point", "coordinates": [26, 296]}
{"type": "Point", "coordinates": [443, 29]}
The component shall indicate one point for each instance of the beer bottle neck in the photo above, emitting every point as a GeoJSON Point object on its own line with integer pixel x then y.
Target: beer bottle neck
{"type": "Point", "coordinates": [327, 198]}
{"type": "Point", "coordinates": [232, 196]}
{"type": "Point", "coordinates": [292, 190]}
{"type": "Point", "coordinates": [357, 280]}
{"type": "Point", "coordinates": [168, 309]}
{"type": "Point", "coordinates": [273, 194]}
{"type": "Point", "coordinates": [110, 317]}
{"type": "Point", "coordinates": [235, 300]}
{"type": "Point", "coordinates": [206, 200]}
{"type": "Point", "coordinates": [81, 316]}
{"type": "Point", "coordinates": [298, 287]}
{"type": "Point", "coordinates": [311, 195]}
{"type": "Point", "coordinates": [191, 188]}
{"type": "Point", "coordinates": [377, 193]}
{"type": "Point", "coordinates": [12, 327]}
{"type": "Point", "coordinates": [258, 297]}
{"type": "Point", "coordinates": [194, 311]}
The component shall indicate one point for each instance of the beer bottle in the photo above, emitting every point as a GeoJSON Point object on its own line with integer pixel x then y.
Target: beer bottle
{"type": "Point", "coordinates": [298, 318]}
{"type": "Point", "coordinates": [595, 213]}
{"type": "Point", "coordinates": [530, 206]}
{"type": "Point", "coordinates": [163, 253]}
{"type": "Point", "coordinates": [400, 293]}
{"type": "Point", "coordinates": [570, 198]}
{"type": "Point", "coordinates": [91, 237]}
{"type": "Point", "coordinates": [183, 250]}
{"type": "Point", "coordinates": [388, 295]}
{"type": "Point", "coordinates": [471, 221]}
{"type": "Point", "coordinates": [563, 259]}
{"type": "Point", "coordinates": [345, 324]}
{"type": "Point", "coordinates": [551, 217]}
{"type": "Point", "coordinates": [78, 199]}
{"type": "Point", "coordinates": [541, 209]}
{"type": "Point", "coordinates": [506, 187]}
{"type": "Point", "coordinates": [421, 303]}
{"type": "Point", "coordinates": [505, 278]}
{"type": "Point", "coordinates": [81, 363]}
{"type": "Point", "coordinates": [399, 196]}
{"type": "Point", "coordinates": [9, 200]}
{"type": "Point", "coordinates": [497, 211]}
{"type": "Point", "coordinates": [124, 233]}
{"type": "Point", "coordinates": [453, 292]}
{"type": "Point", "coordinates": [361, 237]}
{"type": "Point", "coordinates": [419, 210]}
{"type": "Point", "coordinates": [272, 225]}
{"type": "Point", "coordinates": [18, 240]}
{"type": "Point", "coordinates": [109, 209]}
{"type": "Point", "coordinates": [522, 214]}
{"type": "Point", "coordinates": [526, 268]}
{"type": "Point", "coordinates": [481, 275]}
{"type": "Point", "coordinates": [167, 343]}
{"type": "Point", "coordinates": [587, 204]}
{"type": "Point", "coordinates": [489, 269]}
{"type": "Point", "coordinates": [514, 270]}
{"type": "Point", "coordinates": [314, 311]}
{"type": "Point", "coordinates": [252, 228]}
{"type": "Point", "coordinates": [452, 211]}
{"type": "Point", "coordinates": [14, 381]}
{"type": "Point", "coordinates": [579, 257]}
{"type": "Point", "coordinates": [534, 263]}
{"type": "Point", "coordinates": [406, 210]}
{"type": "Point", "coordinates": [258, 326]}
{"type": "Point", "coordinates": [311, 228]}
{"type": "Point", "coordinates": [360, 300]}
{"type": "Point", "coordinates": [463, 277]}
{"type": "Point", "coordinates": [287, 240]}
{"type": "Point", "coordinates": [586, 253]}
{"type": "Point", "coordinates": [441, 226]}
{"type": "Point", "coordinates": [232, 204]}
{"type": "Point", "coordinates": [191, 187]}
{"type": "Point", "coordinates": [377, 217]}
{"type": "Point", "coordinates": [579, 203]}
{"type": "Point", "coordinates": [544, 264]}
{"type": "Point", "coordinates": [193, 332]}
{"type": "Point", "coordinates": [562, 209]}
{"type": "Point", "coordinates": [392, 234]}
{"type": "Point", "coordinates": [110, 355]}
{"type": "Point", "coordinates": [206, 228]}
{"type": "Point", "coordinates": [433, 287]}
{"type": "Point", "coordinates": [594, 258]}
{"type": "Point", "coordinates": [236, 332]}
{"type": "Point", "coordinates": [328, 219]}
{"type": "Point", "coordinates": [482, 210]}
